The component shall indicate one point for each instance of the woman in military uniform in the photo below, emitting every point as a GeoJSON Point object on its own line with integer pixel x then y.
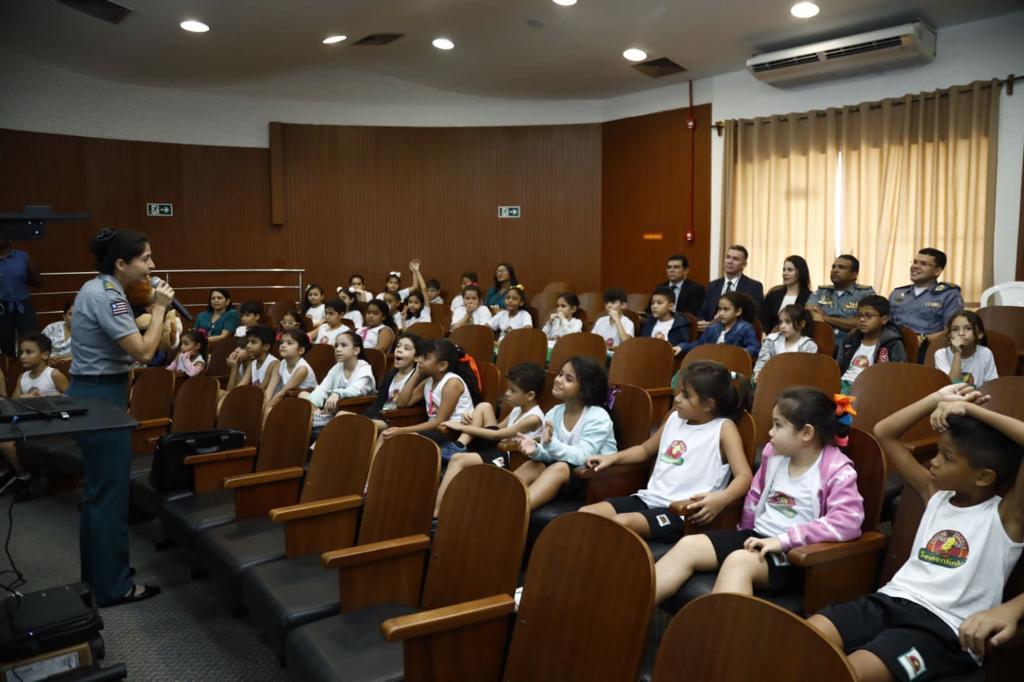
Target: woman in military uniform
{"type": "Point", "coordinates": [104, 343]}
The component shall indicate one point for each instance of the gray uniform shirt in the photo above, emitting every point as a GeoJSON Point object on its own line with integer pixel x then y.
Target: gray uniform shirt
{"type": "Point", "coordinates": [834, 303]}
{"type": "Point", "coordinates": [101, 317]}
{"type": "Point", "coordinates": [928, 312]}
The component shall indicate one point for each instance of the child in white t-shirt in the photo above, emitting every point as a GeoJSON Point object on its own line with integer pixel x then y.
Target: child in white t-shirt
{"type": "Point", "coordinates": [313, 304]}
{"type": "Point", "coordinates": [467, 279]}
{"type": "Point", "coordinates": [513, 316]}
{"type": "Point", "coordinates": [525, 383]}
{"type": "Point", "coordinates": [698, 449]}
{"type": "Point", "coordinates": [614, 327]}
{"type": "Point", "coordinates": [874, 341]}
{"type": "Point", "coordinates": [249, 313]}
{"type": "Point", "coordinates": [564, 320]}
{"type": "Point", "coordinates": [793, 336]}
{"type": "Point", "coordinates": [965, 360]}
{"type": "Point", "coordinates": [473, 311]}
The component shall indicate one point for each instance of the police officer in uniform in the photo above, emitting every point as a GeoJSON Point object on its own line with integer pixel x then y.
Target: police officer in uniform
{"type": "Point", "coordinates": [837, 304]}
{"type": "Point", "coordinates": [104, 343]}
{"type": "Point", "coordinates": [926, 305]}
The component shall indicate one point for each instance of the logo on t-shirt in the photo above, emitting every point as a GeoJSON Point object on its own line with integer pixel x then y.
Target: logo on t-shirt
{"type": "Point", "coordinates": [913, 663]}
{"type": "Point", "coordinates": [968, 378]}
{"type": "Point", "coordinates": [861, 361]}
{"type": "Point", "coordinates": [883, 355]}
{"type": "Point", "coordinates": [782, 503]}
{"type": "Point", "coordinates": [674, 453]}
{"type": "Point", "coordinates": [947, 548]}
{"type": "Point", "coordinates": [609, 342]}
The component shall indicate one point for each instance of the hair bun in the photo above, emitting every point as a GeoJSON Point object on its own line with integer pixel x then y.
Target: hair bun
{"type": "Point", "coordinates": [101, 242]}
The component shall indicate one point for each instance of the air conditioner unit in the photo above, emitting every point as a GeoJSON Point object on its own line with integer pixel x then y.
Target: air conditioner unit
{"type": "Point", "coordinates": [880, 50]}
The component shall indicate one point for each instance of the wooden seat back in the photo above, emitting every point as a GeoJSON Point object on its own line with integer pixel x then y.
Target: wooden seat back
{"type": "Point", "coordinates": [217, 366]}
{"type": "Point", "coordinates": [1007, 395]}
{"type": "Point", "coordinates": [378, 360]}
{"type": "Point", "coordinates": [545, 303]}
{"type": "Point", "coordinates": [583, 344]}
{"type": "Point", "coordinates": [631, 413]}
{"type": "Point", "coordinates": [638, 302]}
{"type": "Point", "coordinates": [471, 560]}
{"type": "Point", "coordinates": [736, 638]}
{"type": "Point", "coordinates": [400, 489]}
{"type": "Point", "coordinates": [825, 336]}
{"type": "Point", "coordinates": [341, 459]}
{"type": "Point", "coordinates": [492, 383]}
{"type": "Point", "coordinates": [475, 339]}
{"type": "Point", "coordinates": [442, 314]}
{"type": "Point", "coordinates": [886, 388]}
{"type": "Point", "coordinates": [195, 405]}
{"type": "Point", "coordinates": [593, 303]}
{"type": "Point", "coordinates": [522, 345]}
{"type": "Point", "coordinates": [277, 310]}
{"type": "Point", "coordinates": [152, 394]}
{"type": "Point", "coordinates": [285, 437]}
{"type": "Point", "coordinates": [869, 461]}
{"type": "Point", "coordinates": [643, 362]}
{"type": "Point", "coordinates": [426, 330]}
{"type": "Point", "coordinates": [555, 288]}
{"type": "Point", "coordinates": [785, 371]}
{"type": "Point", "coordinates": [321, 358]}
{"type": "Point", "coordinates": [568, 578]}
{"type": "Point", "coordinates": [1006, 319]}
{"type": "Point", "coordinates": [733, 357]}
{"type": "Point", "coordinates": [911, 343]}
{"type": "Point", "coordinates": [242, 409]}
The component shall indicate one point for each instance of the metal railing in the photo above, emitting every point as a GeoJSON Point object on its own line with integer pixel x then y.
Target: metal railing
{"type": "Point", "coordinates": [168, 276]}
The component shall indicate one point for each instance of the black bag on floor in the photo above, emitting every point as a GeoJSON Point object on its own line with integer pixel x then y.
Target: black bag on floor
{"type": "Point", "coordinates": [48, 620]}
{"type": "Point", "coordinates": [169, 473]}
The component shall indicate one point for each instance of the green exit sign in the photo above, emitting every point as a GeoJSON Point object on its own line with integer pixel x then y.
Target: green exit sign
{"type": "Point", "coordinates": [509, 211]}
{"type": "Point", "coordinates": [155, 210]}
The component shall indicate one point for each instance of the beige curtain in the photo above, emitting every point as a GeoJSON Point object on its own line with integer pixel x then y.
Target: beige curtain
{"type": "Point", "coordinates": [779, 192]}
{"type": "Point", "coordinates": [920, 171]}
{"type": "Point", "coordinates": [879, 180]}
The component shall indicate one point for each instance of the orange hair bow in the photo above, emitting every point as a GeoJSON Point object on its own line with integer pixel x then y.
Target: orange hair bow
{"type": "Point", "coordinates": [844, 405]}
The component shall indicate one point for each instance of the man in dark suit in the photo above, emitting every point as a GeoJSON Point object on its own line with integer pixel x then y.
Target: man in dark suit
{"type": "Point", "coordinates": [734, 280]}
{"type": "Point", "coordinates": [689, 295]}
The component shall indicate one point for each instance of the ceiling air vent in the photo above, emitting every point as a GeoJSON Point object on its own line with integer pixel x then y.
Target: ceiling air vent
{"type": "Point", "coordinates": [101, 9]}
{"type": "Point", "coordinates": [379, 39]}
{"type": "Point", "coordinates": [656, 68]}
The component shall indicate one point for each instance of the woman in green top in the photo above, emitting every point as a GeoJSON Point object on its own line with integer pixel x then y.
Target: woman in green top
{"type": "Point", "coordinates": [220, 319]}
{"type": "Point", "coordinates": [504, 279]}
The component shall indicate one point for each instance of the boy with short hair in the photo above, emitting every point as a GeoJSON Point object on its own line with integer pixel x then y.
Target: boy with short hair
{"type": "Point", "coordinates": [873, 341]}
{"type": "Point", "coordinates": [967, 542]}
{"type": "Point", "coordinates": [664, 322]}
{"type": "Point", "coordinates": [259, 363]}
{"type": "Point", "coordinates": [249, 313]}
{"type": "Point", "coordinates": [614, 327]}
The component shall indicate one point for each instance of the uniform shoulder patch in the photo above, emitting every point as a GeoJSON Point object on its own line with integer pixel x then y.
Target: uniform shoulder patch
{"type": "Point", "coordinates": [947, 285]}
{"type": "Point", "coordinates": [120, 307]}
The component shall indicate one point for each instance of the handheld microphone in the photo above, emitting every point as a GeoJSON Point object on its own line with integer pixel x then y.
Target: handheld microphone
{"type": "Point", "coordinates": [154, 282]}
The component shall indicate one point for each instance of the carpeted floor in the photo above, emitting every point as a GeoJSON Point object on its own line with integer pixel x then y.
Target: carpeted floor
{"type": "Point", "coordinates": [185, 633]}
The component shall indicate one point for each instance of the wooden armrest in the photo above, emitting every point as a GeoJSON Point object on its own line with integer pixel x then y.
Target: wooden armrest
{"type": "Point", "coordinates": [153, 423]}
{"type": "Point", "coordinates": [349, 403]}
{"type": "Point", "coordinates": [509, 445]}
{"type": "Point", "coordinates": [262, 477]}
{"type": "Point", "coordinates": [224, 455]}
{"type": "Point", "coordinates": [679, 506]}
{"type": "Point", "coordinates": [447, 618]}
{"type": "Point", "coordinates": [405, 416]}
{"type": "Point", "coordinates": [375, 551]}
{"type": "Point", "coordinates": [307, 510]}
{"type": "Point", "coordinates": [825, 552]}
{"type": "Point", "coordinates": [615, 470]}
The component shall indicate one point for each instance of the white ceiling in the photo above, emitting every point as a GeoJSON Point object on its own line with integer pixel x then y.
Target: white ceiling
{"type": "Point", "coordinates": [574, 54]}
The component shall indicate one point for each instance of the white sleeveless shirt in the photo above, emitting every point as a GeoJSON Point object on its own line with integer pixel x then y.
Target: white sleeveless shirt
{"type": "Point", "coordinates": [689, 462]}
{"type": "Point", "coordinates": [308, 383]}
{"type": "Point", "coordinates": [432, 396]}
{"type": "Point", "coordinates": [959, 562]}
{"type": "Point", "coordinates": [398, 382]}
{"type": "Point", "coordinates": [259, 372]}
{"type": "Point", "coordinates": [517, 414]}
{"type": "Point", "coordinates": [42, 383]}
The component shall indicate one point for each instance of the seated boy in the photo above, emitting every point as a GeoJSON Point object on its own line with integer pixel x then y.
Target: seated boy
{"type": "Point", "coordinates": [873, 341]}
{"type": "Point", "coordinates": [967, 542]}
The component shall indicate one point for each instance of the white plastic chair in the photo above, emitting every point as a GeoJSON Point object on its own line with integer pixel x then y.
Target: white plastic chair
{"type": "Point", "coordinates": [1007, 293]}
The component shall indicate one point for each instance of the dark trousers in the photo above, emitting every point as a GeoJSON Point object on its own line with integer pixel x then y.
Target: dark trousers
{"type": "Point", "coordinates": [106, 457]}
{"type": "Point", "coordinates": [15, 325]}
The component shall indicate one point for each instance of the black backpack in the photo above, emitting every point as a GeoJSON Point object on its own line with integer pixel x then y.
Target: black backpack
{"type": "Point", "coordinates": [169, 473]}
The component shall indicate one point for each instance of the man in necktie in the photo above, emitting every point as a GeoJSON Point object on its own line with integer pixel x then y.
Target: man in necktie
{"type": "Point", "coordinates": [688, 295]}
{"type": "Point", "coordinates": [734, 280]}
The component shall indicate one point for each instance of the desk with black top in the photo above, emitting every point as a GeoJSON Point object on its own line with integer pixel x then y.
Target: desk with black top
{"type": "Point", "coordinates": [100, 416]}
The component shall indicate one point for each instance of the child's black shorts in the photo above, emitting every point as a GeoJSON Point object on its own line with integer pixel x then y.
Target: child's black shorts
{"type": "Point", "coordinates": [913, 642]}
{"type": "Point", "coordinates": [782, 575]}
{"type": "Point", "coordinates": [664, 525]}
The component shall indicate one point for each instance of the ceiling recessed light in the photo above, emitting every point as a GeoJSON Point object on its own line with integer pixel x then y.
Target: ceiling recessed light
{"type": "Point", "coordinates": [804, 10]}
{"type": "Point", "coordinates": [443, 44]}
{"type": "Point", "coordinates": [330, 40]}
{"type": "Point", "coordinates": [193, 26]}
{"type": "Point", "coordinates": [635, 54]}
{"type": "Point", "coordinates": [565, 3]}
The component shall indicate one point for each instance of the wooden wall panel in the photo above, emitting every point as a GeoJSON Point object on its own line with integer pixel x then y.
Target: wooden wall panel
{"type": "Point", "coordinates": [377, 197]}
{"type": "Point", "coordinates": [646, 189]}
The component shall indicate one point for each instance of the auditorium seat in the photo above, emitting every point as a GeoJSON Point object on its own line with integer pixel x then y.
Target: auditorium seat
{"type": "Point", "coordinates": [399, 501]}
{"type": "Point", "coordinates": [583, 615]}
{"type": "Point", "coordinates": [339, 467]}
